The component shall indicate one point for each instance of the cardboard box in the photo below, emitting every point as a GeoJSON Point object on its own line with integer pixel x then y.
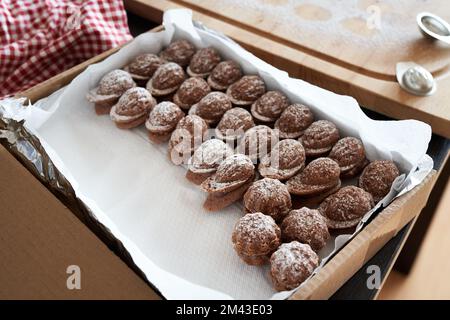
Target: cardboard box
{"type": "Point", "coordinates": [40, 239]}
{"type": "Point", "coordinates": [346, 262]}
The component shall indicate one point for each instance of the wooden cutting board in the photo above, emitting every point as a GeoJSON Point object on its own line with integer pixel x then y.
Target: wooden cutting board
{"type": "Point", "coordinates": [350, 47]}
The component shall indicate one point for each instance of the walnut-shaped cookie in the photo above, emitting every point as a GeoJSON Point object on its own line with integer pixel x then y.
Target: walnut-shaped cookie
{"type": "Point", "coordinates": [246, 90]}
{"type": "Point", "coordinates": [255, 237]}
{"type": "Point", "coordinates": [269, 106]}
{"type": "Point", "coordinates": [294, 120]}
{"type": "Point", "coordinates": [206, 159]}
{"type": "Point", "coordinates": [234, 123]}
{"type": "Point", "coordinates": [268, 196]}
{"type": "Point", "coordinates": [132, 108]}
{"type": "Point", "coordinates": [319, 138]}
{"type": "Point", "coordinates": [284, 161]}
{"type": "Point", "coordinates": [162, 120]}
{"type": "Point", "coordinates": [143, 67]}
{"type": "Point", "coordinates": [191, 91]}
{"type": "Point", "coordinates": [224, 74]}
{"type": "Point", "coordinates": [350, 155]}
{"type": "Point", "coordinates": [319, 178]}
{"type": "Point", "coordinates": [258, 141]}
{"type": "Point", "coordinates": [233, 177]}
{"type": "Point", "coordinates": [166, 79]}
{"type": "Point", "coordinates": [212, 107]}
{"type": "Point", "coordinates": [190, 133]}
{"type": "Point", "coordinates": [305, 226]}
{"type": "Point", "coordinates": [292, 264]}
{"type": "Point", "coordinates": [346, 207]}
{"type": "Point", "coordinates": [203, 62]}
{"type": "Point", "coordinates": [378, 177]}
{"type": "Point", "coordinates": [109, 90]}
{"type": "Point", "coordinates": [180, 52]}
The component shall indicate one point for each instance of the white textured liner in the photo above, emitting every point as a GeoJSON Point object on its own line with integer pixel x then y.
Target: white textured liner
{"type": "Point", "coordinates": [133, 189]}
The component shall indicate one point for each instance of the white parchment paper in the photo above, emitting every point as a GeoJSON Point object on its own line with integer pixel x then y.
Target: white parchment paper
{"type": "Point", "coordinates": [146, 202]}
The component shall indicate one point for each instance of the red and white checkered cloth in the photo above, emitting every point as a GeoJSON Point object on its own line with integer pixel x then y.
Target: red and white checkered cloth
{"type": "Point", "coordinates": [41, 38]}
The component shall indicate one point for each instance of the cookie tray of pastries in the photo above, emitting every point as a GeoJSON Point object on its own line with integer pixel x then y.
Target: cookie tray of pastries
{"type": "Point", "coordinates": [222, 176]}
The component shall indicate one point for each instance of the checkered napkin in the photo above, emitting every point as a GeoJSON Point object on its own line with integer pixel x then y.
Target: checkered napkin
{"type": "Point", "coordinates": [41, 38]}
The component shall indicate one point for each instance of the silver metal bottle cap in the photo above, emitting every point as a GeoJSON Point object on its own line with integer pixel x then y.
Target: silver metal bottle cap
{"type": "Point", "coordinates": [433, 27]}
{"type": "Point", "coordinates": [415, 79]}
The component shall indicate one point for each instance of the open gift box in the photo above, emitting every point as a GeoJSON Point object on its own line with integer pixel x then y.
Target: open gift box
{"type": "Point", "coordinates": [86, 166]}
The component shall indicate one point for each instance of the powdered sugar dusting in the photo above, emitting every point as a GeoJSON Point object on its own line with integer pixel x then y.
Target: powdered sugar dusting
{"type": "Point", "coordinates": [287, 154]}
{"type": "Point", "coordinates": [377, 178]}
{"type": "Point", "coordinates": [268, 196]}
{"type": "Point", "coordinates": [306, 226]}
{"type": "Point", "coordinates": [256, 234]}
{"type": "Point", "coordinates": [270, 105]}
{"type": "Point", "coordinates": [165, 115]}
{"type": "Point", "coordinates": [292, 264]}
{"type": "Point", "coordinates": [237, 167]}
{"type": "Point", "coordinates": [168, 75]}
{"type": "Point", "coordinates": [145, 65]}
{"type": "Point", "coordinates": [235, 119]}
{"type": "Point", "coordinates": [321, 171]}
{"type": "Point", "coordinates": [348, 203]}
{"type": "Point", "coordinates": [226, 73]}
{"type": "Point", "coordinates": [134, 101]}
{"type": "Point", "coordinates": [320, 134]}
{"type": "Point", "coordinates": [294, 120]}
{"type": "Point", "coordinates": [247, 89]}
{"type": "Point", "coordinates": [115, 82]}
{"type": "Point", "coordinates": [204, 60]}
{"type": "Point", "coordinates": [210, 154]}
{"type": "Point", "coordinates": [213, 106]}
{"type": "Point", "coordinates": [180, 51]}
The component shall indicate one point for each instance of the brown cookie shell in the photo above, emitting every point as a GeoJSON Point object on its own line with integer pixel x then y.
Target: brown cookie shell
{"type": "Point", "coordinates": [294, 120]}
{"type": "Point", "coordinates": [135, 101]}
{"type": "Point", "coordinates": [346, 207]}
{"type": "Point", "coordinates": [377, 178]}
{"type": "Point", "coordinates": [319, 176]}
{"type": "Point", "coordinates": [219, 201]}
{"type": "Point", "coordinates": [246, 90]}
{"type": "Point", "coordinates": [190, 133]}
{"type": "Point", "coordinates": [209, 155]}
{"type": "Point", "coordinates": [319, 138]}
{"type": "Point", "coordinates": [269, 106]}
{"type": "Point", "coordinates": [203, 62]}
{"type": "Point", "coordinates": [232, 178]}
{"type": "Point", "coordinates": [115, 82]}
{"type": "Point", "coordinates": [166, 79]}
{"type": "Point", "coordinates": [110, 88]}
{"type": "Point", "coordinates": [350, 154]}
{"type": "Point", "coordinates": [258, 141]}
{"type": "Point", "coordinates": [286, 158]}
{"type": "Point", "coordinates": [132, 108]}
{"type": "Point", "coordinates": [191, 91]}
{"type": "Point", "coordinates": [224, 74]}
{"type": "Point", "coordinates": [144, 66]}
{"type": "Point", "coordinates": [255, 237]}
{"type": "Point", "coordinates": [162, 120]}
{"type": "Point", "coordinates": [231, 173]}
{"type": "Point", "coordinates": [212, 107]}
{"type": "Point", "coordinates": [180, 52]}
{"type": "Point", "coordinates": [291, 264]}
{"type": "Point", "coordinates": [268, 196]}
{"type": "Point", "coordinates": [305, 226]}
{"type": "Point", "coordinates": [234, 123]}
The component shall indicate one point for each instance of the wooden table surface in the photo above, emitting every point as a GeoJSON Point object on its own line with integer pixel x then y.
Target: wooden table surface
{"type": "Point", "coordinates": [334, 45]}
{"type": "Point", "coordinates": [356, 288]}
